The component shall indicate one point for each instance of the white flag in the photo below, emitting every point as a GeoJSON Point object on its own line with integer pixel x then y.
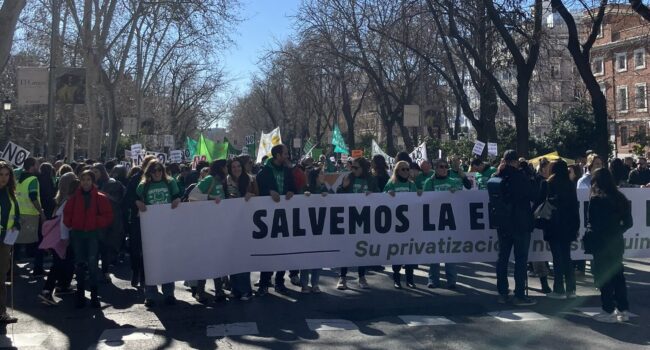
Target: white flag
{"type": "Point", "coordinates": [377, 150]}
{"type": "Point", "coordinates": [419, 154]}
{"type": "Point", "coordinates": [267, 141]}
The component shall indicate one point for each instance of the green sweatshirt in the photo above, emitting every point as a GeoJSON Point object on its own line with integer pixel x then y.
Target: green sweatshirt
{"type": "Point", "coordinates": [482, 178]}
{"type": "Point", "coordinates": [158, 192]}
{"type": "Point", "coordinates": [421, 178]}
{"type": "Point", "coordinates": [446, 184]}
{"type": "Point", "coordinates": [400, 186]}
{"type": "Point", "coordinates": [217, 189]}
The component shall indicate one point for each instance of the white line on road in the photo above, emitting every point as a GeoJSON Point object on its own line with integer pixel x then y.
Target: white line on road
{"type": "Point", "coordinates": [320, 325]}
{"type": "Point", "coordinates": [517, 316]}
{"type": "Point", "coordinates": [418, 320]}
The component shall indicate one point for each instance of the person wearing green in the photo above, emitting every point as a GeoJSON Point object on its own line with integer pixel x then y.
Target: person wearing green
{"type": "Point", "coordinates": [9, 222]}
{"type": "Point", "coordinates": [442, 181]}
{"type": "Point", "coordinates": [483, 172]}
{"type": "Point", "coordinates": [359, 180]}
{"type": "Point", "coordinates": [157, 188]}
{"type": "Point", "coordinates": [425, 173]}
{"type": "Point", "coordinates": [400, 182]}
{"type": "Point", "coordinates": [456, 172]}
{"type": "Point", "coordinates": [213, 185]}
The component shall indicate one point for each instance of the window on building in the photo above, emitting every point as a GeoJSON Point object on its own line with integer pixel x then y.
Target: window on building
{"type": "Point", "coordinates": [621, 98]}
{"type": "Point", "coordinates": [600, 31]}
{"type": "Point", "coordinates": [621, 62]}
{"type": "Point", "coordinates": [642, 130]}
{"type": "Point", "coordinates": [624, 135]}
{"type": "Point", "coordinates": [598, 66]}
{"type": "Point", "coordinates": [640, 97]}
{"type": "Point", "coordinates": [603, 88]}
{"type": "Point", "coordinates": [639, 58]}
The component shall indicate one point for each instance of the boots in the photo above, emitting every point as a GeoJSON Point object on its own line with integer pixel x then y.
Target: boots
{"type": "Point", "coordinates": [545, 287]}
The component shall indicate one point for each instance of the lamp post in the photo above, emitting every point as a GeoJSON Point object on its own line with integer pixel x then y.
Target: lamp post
{"type": "Point", "coordinates": [6, 107]}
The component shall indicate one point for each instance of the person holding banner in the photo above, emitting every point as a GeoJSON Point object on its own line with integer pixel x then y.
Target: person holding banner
{"type": "Point", "coordinates": [400, 182]}
{"type": "Point", "coordinates": [380, 170]}
{"type": "Point", "coordinates": [424, 175]}
{"type": "Point", "coordinates": [240, 184]}
{"type": "Point", "coordinates": [86, 213]}
{"type": "Point", "coordinates": [315, 185]}
{"type": "Point", "coordinates": [157, 188]}
{"type": "Point", "coordinates": [456, 172]}
{"type": "Point", "coordinates": [9, 222]}
{"type": "Point", "coordinates": [275, 179]}
{"type": "Point", "coordinates": [442, 181]}
{"type": "Point", "coordinates": [358, 181]}
{"type": "Point", "coordinates": [213, 185]}
{"type": "Point", "coordinates": [483, 172]}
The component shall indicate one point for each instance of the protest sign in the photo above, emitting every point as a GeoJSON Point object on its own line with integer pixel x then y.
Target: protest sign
{"type": "Point", "coordinates": [32, 85]}
{"type": "Point", "coordinates": [14, 154]}
{"type": "Point", "coordinates": [478, 148]}
{"type": "Point", "coordinates": [492, 149]}
{"type": "Point", "coordinates": [176, 156]}
{"type": "Point", "coordinates": [338, 230]}
{"type": "Point", "coordinates": [162, 157]}
{"type": "Point", "coordinates": [419, 154]}
{"type": "Point", "coordinates": [135, 150]}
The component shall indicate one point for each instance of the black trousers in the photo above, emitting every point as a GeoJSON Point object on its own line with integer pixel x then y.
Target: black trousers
{"type": "Point", "coordinates": [564, 272]}
{"type": "Point", "coordinates": [62, 270]}
{"type": "Point", "coordinates": [611, 281]}
{"type": "Point", "coordinates": [408, 271]}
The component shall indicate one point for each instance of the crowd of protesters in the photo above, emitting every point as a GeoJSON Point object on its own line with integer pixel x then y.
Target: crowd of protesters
{"type": "Point", "coordinates": [95, 207]}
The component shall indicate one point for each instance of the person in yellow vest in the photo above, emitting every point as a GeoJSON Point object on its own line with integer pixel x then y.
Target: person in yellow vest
{"type": "Point", "coordinates": [9, 221]}
{"type": "Point", "coordinates": [28, 197]}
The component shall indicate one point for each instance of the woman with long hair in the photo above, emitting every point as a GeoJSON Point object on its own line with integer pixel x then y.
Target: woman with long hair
{"type": "Point", "coordinates": [562, 229]}
{"type": "Point", "coordinates": [157, 188]}
{"type": "Point", "coordinates": [400, 182]}
{"type": "Point", "coordinates": [62, 270]}
{"type": "Point", "coordinates": [86, 213]}
{"type": "Point", "coordinates": [360, 180]}
{"type": "Point", "coordinates": [240, 184]}
{"type": "Point", "coordinates": [608, 209]}
{"type": "Point", "coordinates": [9, 221]}
{"type": "Point", "coordinates": [380, 170]}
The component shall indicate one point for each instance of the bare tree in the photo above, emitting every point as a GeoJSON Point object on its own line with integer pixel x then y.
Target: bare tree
{"type": "Point", "coordinates": [9, 14]}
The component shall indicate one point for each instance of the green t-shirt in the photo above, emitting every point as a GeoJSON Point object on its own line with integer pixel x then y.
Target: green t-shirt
{"type": "Point", "coordinates": [482, 178]}
{"type": "Point", "coordinates": [158, 192]}
{"type": "Point", "coordinates": [360, 186]}
{"type": "Point", "coordinates": [421, 178]}
{"type": "Point", "coordinates": [447, 184]}
{"type": "Point", "coordinates": [399, 186]}
{"type": "Point", "coordinates": [278, 174]}
{"type": "Point", "coordinates": [217, 189]}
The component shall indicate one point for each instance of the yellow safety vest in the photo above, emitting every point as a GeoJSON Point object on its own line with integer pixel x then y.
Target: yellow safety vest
{"type": "Point", "coordinates": [12, 215]}
{"type": "Point", "coordinates": [22, 197]}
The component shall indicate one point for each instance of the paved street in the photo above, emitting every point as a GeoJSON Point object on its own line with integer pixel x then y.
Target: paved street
{"type": "Point", "coordinates": [379, 318]}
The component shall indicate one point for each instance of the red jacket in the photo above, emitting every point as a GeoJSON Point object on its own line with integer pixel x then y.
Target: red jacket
{"type": "Point", "coordinates": [98, 215]}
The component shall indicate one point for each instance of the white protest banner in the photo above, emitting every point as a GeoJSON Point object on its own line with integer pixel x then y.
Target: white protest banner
{"type": "Point", "coordinates": [136, 150]}
{"type": "Point", "coordinates": [137, 158]}
{"type": "Point", "coordinates": [127, 154]}
{"type": "Point", "coordinates": [377, 150]}
{"type": "Point", "coordinates": [492, 149]}
{"type": "Point", "coordinates": [196, 161]}
{"type": "Point", "coordinates": [176, 156]}
{"type": "Point", "coordinates": [338, 230]}
{"type": "Point", "coordinates": [478, 148]}
{"type": "Point", "coordinates": [14, 154]}
{"type": "Point", "coordinates": [162, 157]}
{"type": "Point", "coordinates": [32, 85]}
{"type": "Point", "coordinates": [472, 178]}
{"type": "Point", "coordinates": [419, 154]}
{"type": "Point", "coordinates": [267, 141]}
{"type": "Point", "coordinates": [168, 140]}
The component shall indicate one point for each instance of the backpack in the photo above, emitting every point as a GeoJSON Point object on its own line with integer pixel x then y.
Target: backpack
{"type": "Point", "coordinates": [500, 210]}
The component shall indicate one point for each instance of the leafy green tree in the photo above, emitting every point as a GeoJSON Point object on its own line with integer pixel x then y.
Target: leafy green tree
{"type": "Point", "coordinates": [572, 132]}
{"type": "Point", "coordinates": [641, 140]}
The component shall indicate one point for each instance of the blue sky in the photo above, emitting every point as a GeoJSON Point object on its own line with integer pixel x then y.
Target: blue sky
{"type": "Point", "coordinates": [266, 22]}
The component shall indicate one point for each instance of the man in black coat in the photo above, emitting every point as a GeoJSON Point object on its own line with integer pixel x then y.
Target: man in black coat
{"type": "Point", "coordinates": [641, 175]}
{"type": "Point", "coordinates": [519, 195]}
{"type": "Point", "coordinates": [275, 179]}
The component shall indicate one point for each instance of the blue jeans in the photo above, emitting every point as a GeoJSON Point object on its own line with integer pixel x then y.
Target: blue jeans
{"type": "Point", "coordinates": [241, 283]}
{"type": "Point", "coordinates": [304, 277]}
{"type": "Point", "coordinates": [450, 274]}
{"type": "Point", "coordinates": [521, 243]}
{"type": "Point", "coordinates": [151, 292]}
{"type": "Point", "coordinates": [86, 254]}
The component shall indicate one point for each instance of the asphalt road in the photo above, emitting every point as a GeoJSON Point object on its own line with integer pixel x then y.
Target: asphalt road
{"type": "Point", "coordinates": [378, 318]}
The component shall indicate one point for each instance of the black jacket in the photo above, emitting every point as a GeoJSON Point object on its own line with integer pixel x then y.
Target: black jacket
{"type": "Point", "coordinates": [372, 185]}
{"type": "Point", "coordinates": [604, 221]}
{"type": "Point", "coordinates": [266, 181]}
{"type": "Point", "coordinates": [521, 193]}
{"type": "Point", "coordinates": [568, 212]}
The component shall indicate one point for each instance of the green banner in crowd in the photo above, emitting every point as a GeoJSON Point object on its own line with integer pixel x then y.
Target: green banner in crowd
{"type": "Point", "coordinates": [191, 146]}
{"type": "Point", "coordinates": [338, 141]}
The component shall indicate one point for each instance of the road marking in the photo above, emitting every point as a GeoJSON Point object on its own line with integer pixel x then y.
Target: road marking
{"type": "Point", "coordinates": [232, 329]}
{"type": "Point", "coordinates": [22, 340]}
{"type": "Point", "coordinates": [593, 311]}
{"type": "Point", "coordinates": [418, 320]}
{"type": "Point", "coordinates": [320, 325]}
{"type": "Point", "coordinates": [517, 316]}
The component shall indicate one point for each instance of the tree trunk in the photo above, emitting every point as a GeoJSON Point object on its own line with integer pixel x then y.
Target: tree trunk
{"type": "Point", "coordinates": [390, 141]}
{"type": "Point", "coordinates": [9, 14]}
{"type": "Point", "coordinates": [521, 120]}
{"type": "Point", "coordinates": [94, 119]}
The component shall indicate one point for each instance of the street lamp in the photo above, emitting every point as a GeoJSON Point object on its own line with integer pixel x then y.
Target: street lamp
{"type": "Point", "coordinates": [6, 107]}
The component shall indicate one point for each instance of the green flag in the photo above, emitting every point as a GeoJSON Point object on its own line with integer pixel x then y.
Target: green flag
{"type": "Point", "coordinates": [205, 148]}
{"type": "Point", "coordinates": [221, 150]}
{"type": "Point", "coordinates": [191, 146]}
{"type": "Point", "coordinates": [307, 148]}
{"type": "Point", "coordinates": [338, 141]}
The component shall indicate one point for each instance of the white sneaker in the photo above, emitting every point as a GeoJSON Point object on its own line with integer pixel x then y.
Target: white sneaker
{"type": "Point", "coordinates": [554, 295]}
{"type": "Point", "coordinates": [363, 283]}
{"type": "Point", "coordinates": [622, 316]}
{"type": "Point", "coordinates": [606, 317]}
{"type": "Point", "coordinates": [342, 285]}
